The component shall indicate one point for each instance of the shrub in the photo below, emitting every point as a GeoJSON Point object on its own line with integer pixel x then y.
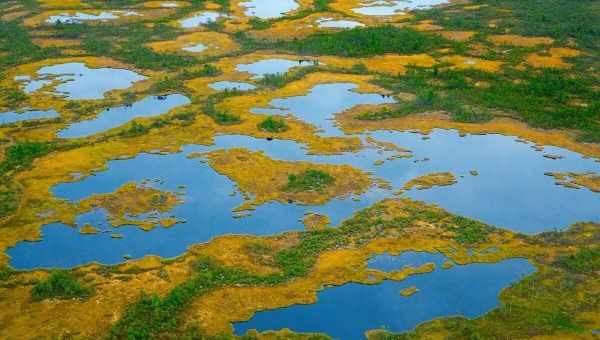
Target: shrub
{"type": "Point", "coordinates": [586, 260]}
{"type": "Point", "coordinates": [22, 155]}
{"type": "Point", "coordinates": [271, 124]}
{"type": "Point", "coordinates": [308, 180]}
{"type": "Point", "coordinates": [59, 285]}
{"type": "Point", "coordinates": [258, 24]}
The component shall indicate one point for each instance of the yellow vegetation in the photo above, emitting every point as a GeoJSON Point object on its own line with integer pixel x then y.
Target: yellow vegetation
{"type": "Point", "coordinates": [430, 181]}
{"type": "Point", "coordinates": [215, 43]}
{"type": "Point", "coordinates": [264, 178]}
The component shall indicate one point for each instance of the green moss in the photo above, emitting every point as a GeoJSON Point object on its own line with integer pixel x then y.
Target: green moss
{"type": "Point", "coordinates": [59, 285]}
{"type": "Point", "coordinates": [308, 180]}
{"type": "Point", "coordinates": [274, 125]}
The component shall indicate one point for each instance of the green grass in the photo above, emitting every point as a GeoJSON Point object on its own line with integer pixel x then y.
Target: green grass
{"type": "Point", "coordinates": [274, 125]}
{"type": "Point", "coordinates": [59, 285]}
{"type": "Point", "coordinates": [366, 42]}
{"type": "Point", "coordinates": [308, 180]}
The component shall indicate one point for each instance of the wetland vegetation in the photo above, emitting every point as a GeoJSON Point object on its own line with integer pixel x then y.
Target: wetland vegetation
{"type": "Point", "coordinates": [239, 170]}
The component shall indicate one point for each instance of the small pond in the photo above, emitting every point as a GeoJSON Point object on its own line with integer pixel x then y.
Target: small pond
{"type": "Point", "coordinates": [331, 23]}
{"type": "Point", "coordinates": [200, 19]}
{"type": "Point", "coordinates": [231, 85]}
{"type": "Point", "coordinates": [78, 81]}
{"type": "Point", "coordinates": [269, 66]}
{"type": "Point", "coordinates": [196, 48]}
{"type": "Point", "coordinates": [79, 17]}
{"type": "Point", "coordinates": [269, 9]}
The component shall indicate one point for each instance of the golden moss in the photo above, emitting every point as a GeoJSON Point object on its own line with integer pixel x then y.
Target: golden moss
{"type": "Point", "coordinates": [314, 221]}
{"type": "Point", "coordinates": [88, 229]}
{"type": "Point", "coordinates": [216, 44]}
{"type": "Point", "coordinates": [123, 16]}
{"type": "Point", "coordinates": [462, 62]}
{"type": "Point", "coordinates": [243, 167]}
{"type": "Point", "coordinates": [166, 4]}
{"type": "Point", "coordinates": [553, 59]}
{"type": "Point", "coordinates": [431, 180]}
{"type": "Point", "coordinates": [518, 40]}
{"type": "Point", "coordinates": [409, 291]}
{"type": "Point", "coordinates": [132, 200]}
{"type": "Point", "coordinates": [590, 180]}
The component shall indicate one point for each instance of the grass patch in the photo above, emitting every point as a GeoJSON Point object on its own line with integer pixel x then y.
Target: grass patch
{"type": "Point", "coordinates": [59, 285]}
{"type": "Point", "coordinates": [274, 125]}
{"type": "Point", "coordinates": [309, 180]}
{"type": "Point", "coordinates": [21, 155]}
{"type": "Point", "coordinates": [366, 42]}
{"type": "Point", "coordinates": [259, 24]}
{"type": "Point", "coordinates": [586, 260]}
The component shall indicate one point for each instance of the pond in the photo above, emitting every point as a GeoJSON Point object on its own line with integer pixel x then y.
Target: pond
{"type": "Point", "coordinates": [13, 117]}
{"type": "Point", "coordinates": [77, 81]}
{"type": "Point", "coordinates": [392, 7]}
{"type": "Point", "coordinates": [231, 85]}
{"type": "Point", "coordinates": [117, 116]}
{"type": "Point", "coordinates": [331, 23]}
{"type": "Point", "coordinates": [269, 9]}
{"type": "Point", "coordinates": [269, 66]}
{"type": "Point", "coordinates": [199, 19]}
{"type": "Point", "coordinates": [80, 17]}
{"type": "Point", "coordinates": [196, 48]}
{"type": "Point", "coordinates": [321, 103]}
{"type": "Point", "coordinates": [348, 311]}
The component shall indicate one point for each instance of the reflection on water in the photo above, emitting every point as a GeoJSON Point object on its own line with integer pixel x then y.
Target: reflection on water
{"type": "Point", "coordinates": [321, 103]}
{"type": "Point", "coordinates": [392, 7]}
{"type": "Point", "coordinates": [268, 66]}
{"type": "Point", "coordinates": [12, 117]}
{"type": "Point", "coordinates": [200, 19]}
{"type": "Point", "coordinates": [268, 9]}
{"type": "Point", "coordinates": [347, 311]}
{"type": "Point", "coordinates": [77, 81]}
{"type": "Point", "coordinates": [194, 48]}
{"type": "Point", "coordinates": [231, 85]}
{"type": "Point", "coordinates": [79, 17]}
{"type": "Point", "coordinates": [389, 263]}
{"type": "Point", "coordinates": [331, 23]}
{"type": "Point", "coordinates": [117, 116]}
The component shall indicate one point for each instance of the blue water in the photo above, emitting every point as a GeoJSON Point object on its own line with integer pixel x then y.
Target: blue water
{"type": "Point", "coordinates": [269, 9]}
{"type": "Point", "coordinates": [313, 109]}
{"type": "Point", "coordinates": [200, 19]}
{"type": "Point", "coordinates": [510, 191]}
{"type": "Point", "coordinates": [231, 85]}
{"type": "Point", "coordinates": [268, 66]}
{"type": "Point", "coordinates": [415, 259]}
{"type": "Point", "coordinates": [13, 117]}
{"type": "Point", "coordinates": [347, 311]}
{"type": "Point", "coordinates": [117, 116]}
{"type": "Point", "coordinates": [78, 81]}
